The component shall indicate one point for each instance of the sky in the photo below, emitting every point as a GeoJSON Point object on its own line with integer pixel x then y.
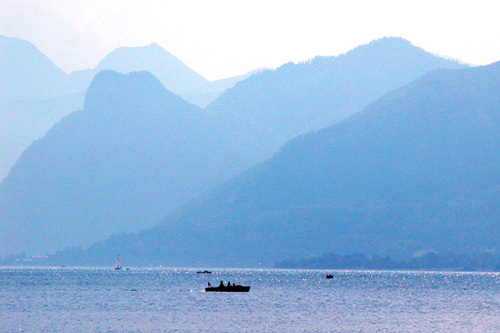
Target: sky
{"type": "Point", "coordinates": [224, 38]}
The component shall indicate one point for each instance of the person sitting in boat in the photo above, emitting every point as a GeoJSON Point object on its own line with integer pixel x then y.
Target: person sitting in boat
{"type": "Point", "coordinates": [209, 284]}
{"type": "Point", "coordinates": [221, 284]}
{"type": "Point", "coordinates": [228, 284]}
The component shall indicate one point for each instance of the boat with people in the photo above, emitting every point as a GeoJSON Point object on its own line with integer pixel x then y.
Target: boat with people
{"type": "Point", "coordinates": [204, 272]}
{"type": "Point", "coordinates": [329, 276]}
{"type": "Point", "coordinates": [228, 288]}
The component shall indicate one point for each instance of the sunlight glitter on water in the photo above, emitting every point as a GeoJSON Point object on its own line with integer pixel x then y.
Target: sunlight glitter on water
{"type": "Point", "coordinates": [173, 300]}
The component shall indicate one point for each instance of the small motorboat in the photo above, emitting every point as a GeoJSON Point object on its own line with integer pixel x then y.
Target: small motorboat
{"type": "Point", "coordinates": [329, 276]}
{"type": "Point", "coordinates": [204, 272]}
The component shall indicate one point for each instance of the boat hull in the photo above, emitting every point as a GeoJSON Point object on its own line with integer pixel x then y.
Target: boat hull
{"type": "Point", "coordinates": [231, 289]}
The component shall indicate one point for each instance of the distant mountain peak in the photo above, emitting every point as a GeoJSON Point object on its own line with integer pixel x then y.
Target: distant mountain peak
{"type": "Point", "coordinates": [124, 58]}
{"type": "Point", "coordinates": [172, 73]}
{"type": "Point", "coordinates": [393, 46]}
{"type": "Point", "coordinates": [149, 47]}
{"type": "Point", "coordinates": [391, 40]}
{"type": "Point", "coordinates": [387, 44]}
{"type": "Point", "coordinates": [26, 73]}
{"type": "Point", "coordinates": [155, 45]}
{"type": "Point", "coordinates": [116, 81]}
{"type": "Point", "coordinates": [124, 88]}
{"type": "Point", "coordinates": [6, 39]}
{"type": "Point", "coordinates": [16, 50]}
{"type": "Point", "coordinates": [127, 59]}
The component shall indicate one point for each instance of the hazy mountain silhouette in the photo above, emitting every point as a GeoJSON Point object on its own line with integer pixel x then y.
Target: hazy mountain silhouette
{"type": "Point", "coordinates": [35, 94]}
{"type": "Point", "coordinates": [25, 73]}
{"type": "Point", "coordinates": [273, 107]}
{"type": "Point", "coordinates": [134, 152]}
{"type": "Point", "coordinates": [24, 121]}
{"type": "Point", "coordinates": [416, 170]}
{"type": "Point", "coordinates": [172, 73]}
{"type": "Point", "coordinates": [101, 179]}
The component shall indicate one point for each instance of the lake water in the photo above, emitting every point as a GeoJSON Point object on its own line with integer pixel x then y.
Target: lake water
{"type": "Point", "coordinates": [173, 300]}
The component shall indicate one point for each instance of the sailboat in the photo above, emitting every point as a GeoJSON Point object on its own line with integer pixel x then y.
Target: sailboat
{"type": "Point", "coordinates": [118, 263]}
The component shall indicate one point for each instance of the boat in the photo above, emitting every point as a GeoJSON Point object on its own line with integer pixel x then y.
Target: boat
{"type": "Point", "coordinates": [329, 276]}
{"type": "Point", "coordinates": [204, 272]}
{"type": "Point", "coordinates": [118, 263]}
{"type": "Point", "coordinates": [237, 289]}
{"type": "Point", "coordinates": [233, 288]}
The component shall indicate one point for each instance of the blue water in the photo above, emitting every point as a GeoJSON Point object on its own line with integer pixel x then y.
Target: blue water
{"type": "Point", "coordinates": [173, 300]}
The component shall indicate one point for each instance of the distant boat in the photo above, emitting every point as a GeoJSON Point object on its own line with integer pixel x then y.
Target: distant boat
{"type": "Point", "coordinates": [204, 272]}
{"type": "Point", "coordinates": [329, 276]}
{"type": "Point", "coordinates": [229, 288]}
{"type": "Point", "coordinates": [118, 263]}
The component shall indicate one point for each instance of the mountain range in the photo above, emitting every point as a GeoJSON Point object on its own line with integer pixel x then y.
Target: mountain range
{"type": "Point", "coordinates": [275, 106]}
{"type": "Point", "coordinates": [35, 94]}
{"type": "Point", "coordinates": [172, 73]}
{"type": "Point", "coordinates": [25, 73]}
{"type": "Point", "coordinates": [128, 155]}
{"type": "Point", "coordinates": [136, 151]}
{"type": "Point", "coordinates": [415, 171]}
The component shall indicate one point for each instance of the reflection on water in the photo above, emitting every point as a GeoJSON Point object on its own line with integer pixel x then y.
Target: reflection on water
{"type": "Point", "coordinates": [173, 300]}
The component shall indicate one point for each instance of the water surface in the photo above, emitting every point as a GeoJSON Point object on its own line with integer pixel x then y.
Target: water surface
{"type": "Point", "coordinates": [173, 300]}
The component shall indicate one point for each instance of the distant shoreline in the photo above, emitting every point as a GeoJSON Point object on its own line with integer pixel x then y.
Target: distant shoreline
{"type": "Point", "coordinates": [325, 270]}
{"type": "Point", "coordinates": [430, 261]}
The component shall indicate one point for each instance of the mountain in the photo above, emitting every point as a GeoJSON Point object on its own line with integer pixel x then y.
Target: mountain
{"type": "Point", "coordinates": [417, 170]}
{"type": "Point", "coordinates": [24, 121]}
{"type": "Point", "coordinates": [142, 177]}
{"type": "Point", "coordinates": [273, 107]}
{"type": "Point", "coordinates": [34, 95]}
{"type": "Point", "coordinates": [133, 152]}
{"type": "Point", "coordinates": [25, 73]}
{"type": "Point", "coordinates": [172, 73]}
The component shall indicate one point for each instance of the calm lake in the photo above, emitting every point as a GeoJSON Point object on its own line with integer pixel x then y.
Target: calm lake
{"type": "Point", "coordinates": [173, 300]}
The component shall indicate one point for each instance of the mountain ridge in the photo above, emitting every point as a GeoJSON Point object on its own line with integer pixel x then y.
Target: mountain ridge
{"type": "Point", "coordinates": [416, 170]}
{"type": "Point", "coordinates": [88, 143]}
{"type": "Point", "coordinates": [143, 164]}
{"type": "Point", "coordinates": [35, 93]}
{"type": "Point", "coordinates": [317, 93]}
{"type": "Point", "coordinates": [26, 73]}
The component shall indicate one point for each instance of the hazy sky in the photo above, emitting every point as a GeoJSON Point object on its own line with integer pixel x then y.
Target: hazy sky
{"type": "Point", "coordinates": [221, 38]}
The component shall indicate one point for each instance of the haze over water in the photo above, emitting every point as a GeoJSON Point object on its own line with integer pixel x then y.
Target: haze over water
{"type": "Point", "coordinates": [173, 300]}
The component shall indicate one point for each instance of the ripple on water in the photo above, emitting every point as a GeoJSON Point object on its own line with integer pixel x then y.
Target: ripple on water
{"type": "Point", "coordinates": [173, 300]}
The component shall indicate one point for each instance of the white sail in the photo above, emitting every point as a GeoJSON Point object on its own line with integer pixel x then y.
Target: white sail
{"type": "Point", "coordinates": [118, 263]}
